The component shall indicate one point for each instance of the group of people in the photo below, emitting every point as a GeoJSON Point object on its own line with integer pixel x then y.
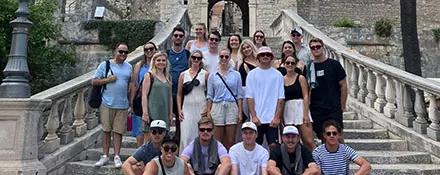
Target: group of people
{"type": "Point", "coordinates": [224, 104]}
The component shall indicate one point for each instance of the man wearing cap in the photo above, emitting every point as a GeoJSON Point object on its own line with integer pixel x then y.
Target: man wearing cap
{"type": "Point", "coordinates": [134, 165]}
{"type": "Point", "coordinates": [205, 154]}
{"type": "Point", "coordinates": [248, 157]}
{"type": "Point", "coordinates": [265, 96]}
{"type": "Point", "coordinates": [291, 157]}
{"type": "Point", "coordinates": [304, 55]}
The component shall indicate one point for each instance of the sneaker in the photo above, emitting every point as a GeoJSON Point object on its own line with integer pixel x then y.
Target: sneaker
{"type": "Point", "coordinates": [118, 162]}
{"type": "Point", "coordinates": [102, 161]}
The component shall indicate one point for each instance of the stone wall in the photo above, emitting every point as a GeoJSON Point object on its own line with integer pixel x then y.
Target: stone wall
{"type": "Point", "coordinates": [389, 50]}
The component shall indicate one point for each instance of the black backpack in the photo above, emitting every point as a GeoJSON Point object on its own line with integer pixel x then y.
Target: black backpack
{"type": "Point", "coordinates": [95, 94]}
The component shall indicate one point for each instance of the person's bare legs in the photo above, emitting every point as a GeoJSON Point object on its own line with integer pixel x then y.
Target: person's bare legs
{"type": "Point", "coordinates": [306, 132]}
{"type": "Point", "coordinates": [219, 133]}
{"type": "Point", "coordinates": [229, 137]}
{"type": "Point", "coordinates": [117, 141]}
{"type": "Point", "coordinates": [106, 143]}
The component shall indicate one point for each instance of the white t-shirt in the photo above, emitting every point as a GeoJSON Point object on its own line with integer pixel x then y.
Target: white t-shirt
{"type": "Point", "coordinates": [266, 87]}
{"type": "Point", "coordinates": [249, 162]}
{"type": "Point", "coordinates": [210, 61]}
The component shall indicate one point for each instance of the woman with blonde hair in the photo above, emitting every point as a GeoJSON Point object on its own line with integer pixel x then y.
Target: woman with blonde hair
{"type": "Point", "coordinates": [156, 92]}
{"type": "Point", "coordinates": [248, 60]}
{"type": "Point", "coordinates": [194, 106]}
{"type": "Point", "coordinates": [201, 40]}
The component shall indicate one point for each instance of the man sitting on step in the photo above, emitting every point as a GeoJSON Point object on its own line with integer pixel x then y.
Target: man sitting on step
{"type": "Point", "coordinates": [205, 154]}
{"type": "Point", "coordinates": [134, 165]}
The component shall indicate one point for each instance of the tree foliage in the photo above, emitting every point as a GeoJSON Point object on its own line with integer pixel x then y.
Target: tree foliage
{"type": "Point", "coordinates": [50, 64]}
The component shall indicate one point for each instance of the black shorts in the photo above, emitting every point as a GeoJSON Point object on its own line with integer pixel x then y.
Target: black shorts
{"type": "Point", "coordinates": [318, 122]}
{"type": "Point", "coordinates": [270, 132]}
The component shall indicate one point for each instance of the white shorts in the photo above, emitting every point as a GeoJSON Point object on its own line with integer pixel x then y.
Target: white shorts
{"type": "Point", "coordinates": [294, 112]}
{"type": "Point", "coordinates": [224, 113]}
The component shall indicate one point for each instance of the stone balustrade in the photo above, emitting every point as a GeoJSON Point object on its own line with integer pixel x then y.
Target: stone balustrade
{"type": "Point", "coordinates": [69, 117]}
{"type": "Point", "coordinates": [408, 99]}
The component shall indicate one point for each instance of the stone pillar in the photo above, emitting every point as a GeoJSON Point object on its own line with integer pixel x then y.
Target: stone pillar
{"type": "Point", "coordinates": [371, 84]}
{"type": "Point", "coordinates": [390, 95]}
{"type": "Point", "coordinates": [408, 111]}
{"type": "Point", "coordinates": [18, 136]}
{"type": "Point", "coordinates": [420, 124]}
{"type": "Point", "coordinates": [252, 17]}
{"type": "Point", "coordinates": [66, 132]}
{"type": "Point", "coordinates": [433, 131]}
{"type": "Point", "coordinates": [52, 141]}
{"type": "Point", "coordinates": [362, 85]}
{"type": "Point", "coordinates": [380, 101]}
{"type": "Point", "coordinates": [354, 88]}
{"type": "Point", "coordinates": [204, 12]}
{"type": "Point", "coordinates": [79, 125]}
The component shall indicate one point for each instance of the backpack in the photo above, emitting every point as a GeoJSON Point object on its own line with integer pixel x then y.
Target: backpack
{"type": "Point", "coordinates": [95, 94]}
{"type": "Point", "coordinates": [137, 101]}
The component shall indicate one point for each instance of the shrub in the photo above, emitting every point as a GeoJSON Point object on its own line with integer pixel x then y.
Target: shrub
{"type": "Point", "coordinates": [383, 28]}
{"type": "Point", "coordinates": [436, 33]}
{"type": "Point", "coordinates": [134, 33]}
{"type": "Point", "coordinates": [344, 22]}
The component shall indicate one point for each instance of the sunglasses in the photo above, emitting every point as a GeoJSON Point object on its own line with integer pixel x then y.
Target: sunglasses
{"type": "Point", "coordinates": [123, 52]}
{"type": "Point", "coordinates": [214, 39]}
{"type": "Point", "coordinates": [167, 148]}
{"type": "Point", "coordinates": [157, 131]}
{"type": "Point", "coordinates": [315, 47]}
{"type": "Point", "coordinates": [196, 58]}
{"type": "Point", "coordinates": [265, 54]}
{"type": "Point", "coordinates": [178, 36]}
{"type": "Point", "coordinates": [224, 56]}
{"type": "Point", "coordinates": [289, 63]}
{"type": "Point", "coordinates": [259, 36]}
{"type": "Point", "coordinates": [205, 129]}
{"type": "Point", "coordinates": [149, 49]}
{"type": "Point", "coordinates": [333, 133]}
{"type": "Point", "coordinates": [295, 35]}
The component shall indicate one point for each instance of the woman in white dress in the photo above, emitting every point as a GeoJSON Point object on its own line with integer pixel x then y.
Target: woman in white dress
{"type": "Point", "coordinates": [191, 106]}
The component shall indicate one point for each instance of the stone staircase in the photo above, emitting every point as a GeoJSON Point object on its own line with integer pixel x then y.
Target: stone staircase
{"type": "Point", "coordinates": [387, 153]}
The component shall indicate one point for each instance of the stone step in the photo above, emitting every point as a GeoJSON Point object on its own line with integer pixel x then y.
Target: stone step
{"type": "Point", "coordinates": [350, 116]}
{"type": "Point", "coordinates": [365, 134]}
{"type": "Point", "coordinates": [401, 169]}
{"type": "Point", "coordinates": [358, 124]}
{"type": "Point", "coordinates": [396, 157]}
{"type": "Point", "coordinates": [86, 167]}
{"type": "Point", "coordinates": [129, 142]}
{"type": "Point", "coordinates": [95, 153]}
{"type": "Point", "coordinates": [377, 144]}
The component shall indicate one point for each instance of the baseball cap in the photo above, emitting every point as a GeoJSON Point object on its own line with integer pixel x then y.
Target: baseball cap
{"type": "Point", "coordinates": [170, 137]}
{"type": "Point", "coordinates": [264, 49]}
{"type": "Point", "coordinates": [290, 130]}
{"type": "Point", "coordinates": [158, 124]}
{"type": "Point", "coordinates": [297, 30]}
{"type": "Point", "coordinates": [249, 125]}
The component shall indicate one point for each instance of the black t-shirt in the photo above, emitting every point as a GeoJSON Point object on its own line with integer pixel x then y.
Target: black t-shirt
{"type": "Point", "coordinates": [325, 98]}
{"type": "Point", "coordinates": [276, 156]}
{"type": "Point", "coordinates": [243, 72]}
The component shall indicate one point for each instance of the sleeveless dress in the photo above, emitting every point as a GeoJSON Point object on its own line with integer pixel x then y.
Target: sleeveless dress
{"type": "Point", "coordinates": [294, 105]}
{"type": "Point", "coordinates": [194, 47]}
{"type": "Point", "coordinates": [177, 169]}
{"type": "Point", "coordinates": [193, 105]}
{"type": "Point", "coordinates": [159, 102]}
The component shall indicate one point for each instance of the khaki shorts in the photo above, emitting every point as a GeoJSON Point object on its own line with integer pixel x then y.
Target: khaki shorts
{"type": "Point", "coordinates": [224, 113]}
{"type": "Point", "coordinates": [113, 119]}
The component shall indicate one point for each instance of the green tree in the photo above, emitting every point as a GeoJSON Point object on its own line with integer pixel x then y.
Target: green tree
{"type": "Point", "coordinates": [50, 64]}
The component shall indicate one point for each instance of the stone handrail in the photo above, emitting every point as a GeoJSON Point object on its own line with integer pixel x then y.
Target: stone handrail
{"type": "Point", "coordinates": [69, 116]}
{"type": "Point", "coordinates": [394, 93]}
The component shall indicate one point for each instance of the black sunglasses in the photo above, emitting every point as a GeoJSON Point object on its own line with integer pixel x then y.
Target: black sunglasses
{"type": "Point", "coordinates": [214, 39]}
{"type": "Point", "coordinates": [205, 129]}
{"type": "Point", "coordinates": [265, 54]}
{"type": "Point", "coordinates": [196, 58]}
{"type": "Point", "coordinates": [224, 56]}
{"type": "Point", "coordinates": [315, 47]}
{"type": "Point", "coordinates": [149, 49]}
{"type": "Point", "coordinates": [259, 36]}
{"type": "Point", "coordinates": [295, 35]}
{"type": "Point", "coordinates": [123, 52]}
{"type": "Point", "coordinates": [178, 36]}
{"type": "Point", "coordinates": [289, 63]}
{"type": "Point", "coordinates": [333, 133]}
{"type": "Point", "coordinates": [157, 131]}
{"type": "Point", "coordinates": [167, 148]}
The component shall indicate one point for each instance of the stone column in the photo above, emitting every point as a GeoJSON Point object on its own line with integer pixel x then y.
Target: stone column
{"type": "Point", "coordinates": [433, 131]}
{"type": "Point", "coordinates": [79, 125]}
{"type": "Point", "coordinates": [204, 12]}
{"type": "Point", "coordinates": [354, 88]}
{"type": "Point", "coordinates": [252, 17]}
{"type": "Point", "coordinates": [18, 136]}
{"type": "Point", "coordinates": [371, 84]}
{"type": "Point", "coordinates": [362, 85]}
{"type": "Point", "coordinates": [380, 101]}
{"type": "Point", "coordinates": [420, 124]}
{"type": "Point", "coordinates": [408, 110]}
{"type": "Point", "coordinates": [390, 95]}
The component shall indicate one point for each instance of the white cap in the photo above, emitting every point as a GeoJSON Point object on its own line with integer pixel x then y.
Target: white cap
{"type": "Point", "coordinates": [249, 125]}
{"type": "Point", "coordinates": [297, 30]}
{"type": "Point", "coordinates": [158, 124]}
{"type": "Point", "coordinates": [290, 130]}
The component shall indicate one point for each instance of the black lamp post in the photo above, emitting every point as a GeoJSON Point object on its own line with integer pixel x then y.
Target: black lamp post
{"type": "Point", "coordinates": [16, 83]}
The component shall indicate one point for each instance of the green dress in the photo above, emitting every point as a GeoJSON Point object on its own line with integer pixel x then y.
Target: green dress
{"type": "Point", "coordinates": [159, 102]}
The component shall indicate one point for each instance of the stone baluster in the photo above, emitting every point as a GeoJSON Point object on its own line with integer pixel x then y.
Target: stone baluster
{"type": "Point", "coordinates": [371, 85]}
{"type": "Point", "coordinates": [79, 125]}
{"type": "Point", "coordinates": [380, 101]}
{"type": "Point", "coordinates": [354, 88]}
{"type": "Point", "coordinates": [433, 131]}
{"type": "Point", "coordinates": [66, 132]}
{"type": "Point", "coordinates": [390, 96]}
{"type": "Point", "coordinates": [92, 119]}
{"type": "Point", "coordinates": [420, 124]}
{"type": "Point", "coordinates": [362, 85]}
{"type": "Point", "coordinates": [52, 141]}
{"type": "Point", "coordinates": [408, 110]}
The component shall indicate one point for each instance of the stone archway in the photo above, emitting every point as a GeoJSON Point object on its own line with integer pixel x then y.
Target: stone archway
{"type": "Point", "coordinates": [244, 7]}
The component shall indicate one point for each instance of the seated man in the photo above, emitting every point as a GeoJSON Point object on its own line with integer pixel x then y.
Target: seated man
{"type": "Point", "coordinates": [134, 165]}
{"type": "Point", "coordinates": [334, 157]}
{"type": "Point", "coordinates": [248, 157]}
{"type": "Point", "coordinates": [205, 154]}
{"type": "Point", "coordinates": [168, 163]}
{"type": "Point", "coordinates": [291, 157]}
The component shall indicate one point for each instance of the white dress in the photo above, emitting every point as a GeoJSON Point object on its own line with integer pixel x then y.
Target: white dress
{"type": "Point", "coordinates": [194, 103]}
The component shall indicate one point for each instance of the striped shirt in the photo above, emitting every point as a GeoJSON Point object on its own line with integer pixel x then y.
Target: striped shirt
{"type": "Point", "coordinates": [334, 163]}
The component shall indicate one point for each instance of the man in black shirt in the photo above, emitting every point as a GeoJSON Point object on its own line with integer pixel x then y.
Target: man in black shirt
{"type": "Point", "coordinates": [291, 158]}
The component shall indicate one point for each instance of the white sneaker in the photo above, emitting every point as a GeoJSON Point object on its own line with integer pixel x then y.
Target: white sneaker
{"type": "Point", "coordinates": [102, 161]}
{"type": "Point", "coordinates": [118, 162]}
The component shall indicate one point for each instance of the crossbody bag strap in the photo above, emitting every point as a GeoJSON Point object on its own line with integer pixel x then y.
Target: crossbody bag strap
{"type": "Point", "coordinates": [227, 87]}
{"type": "Point", "coordinates": [161, 166]}
{"type": "Point", "coordinates": [195, 77]}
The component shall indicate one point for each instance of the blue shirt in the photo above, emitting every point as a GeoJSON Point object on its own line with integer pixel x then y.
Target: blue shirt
{"type": "Point", "coordinates": [178, 63]}
{"type": "Point", "coordinates": [115, 96]}
{"type": "Point", "coordinates": [142, 71]}
{"type": "Point", "coordinates": [146, 152]}
{"type": "Point", "coordinates": [217, 91]}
